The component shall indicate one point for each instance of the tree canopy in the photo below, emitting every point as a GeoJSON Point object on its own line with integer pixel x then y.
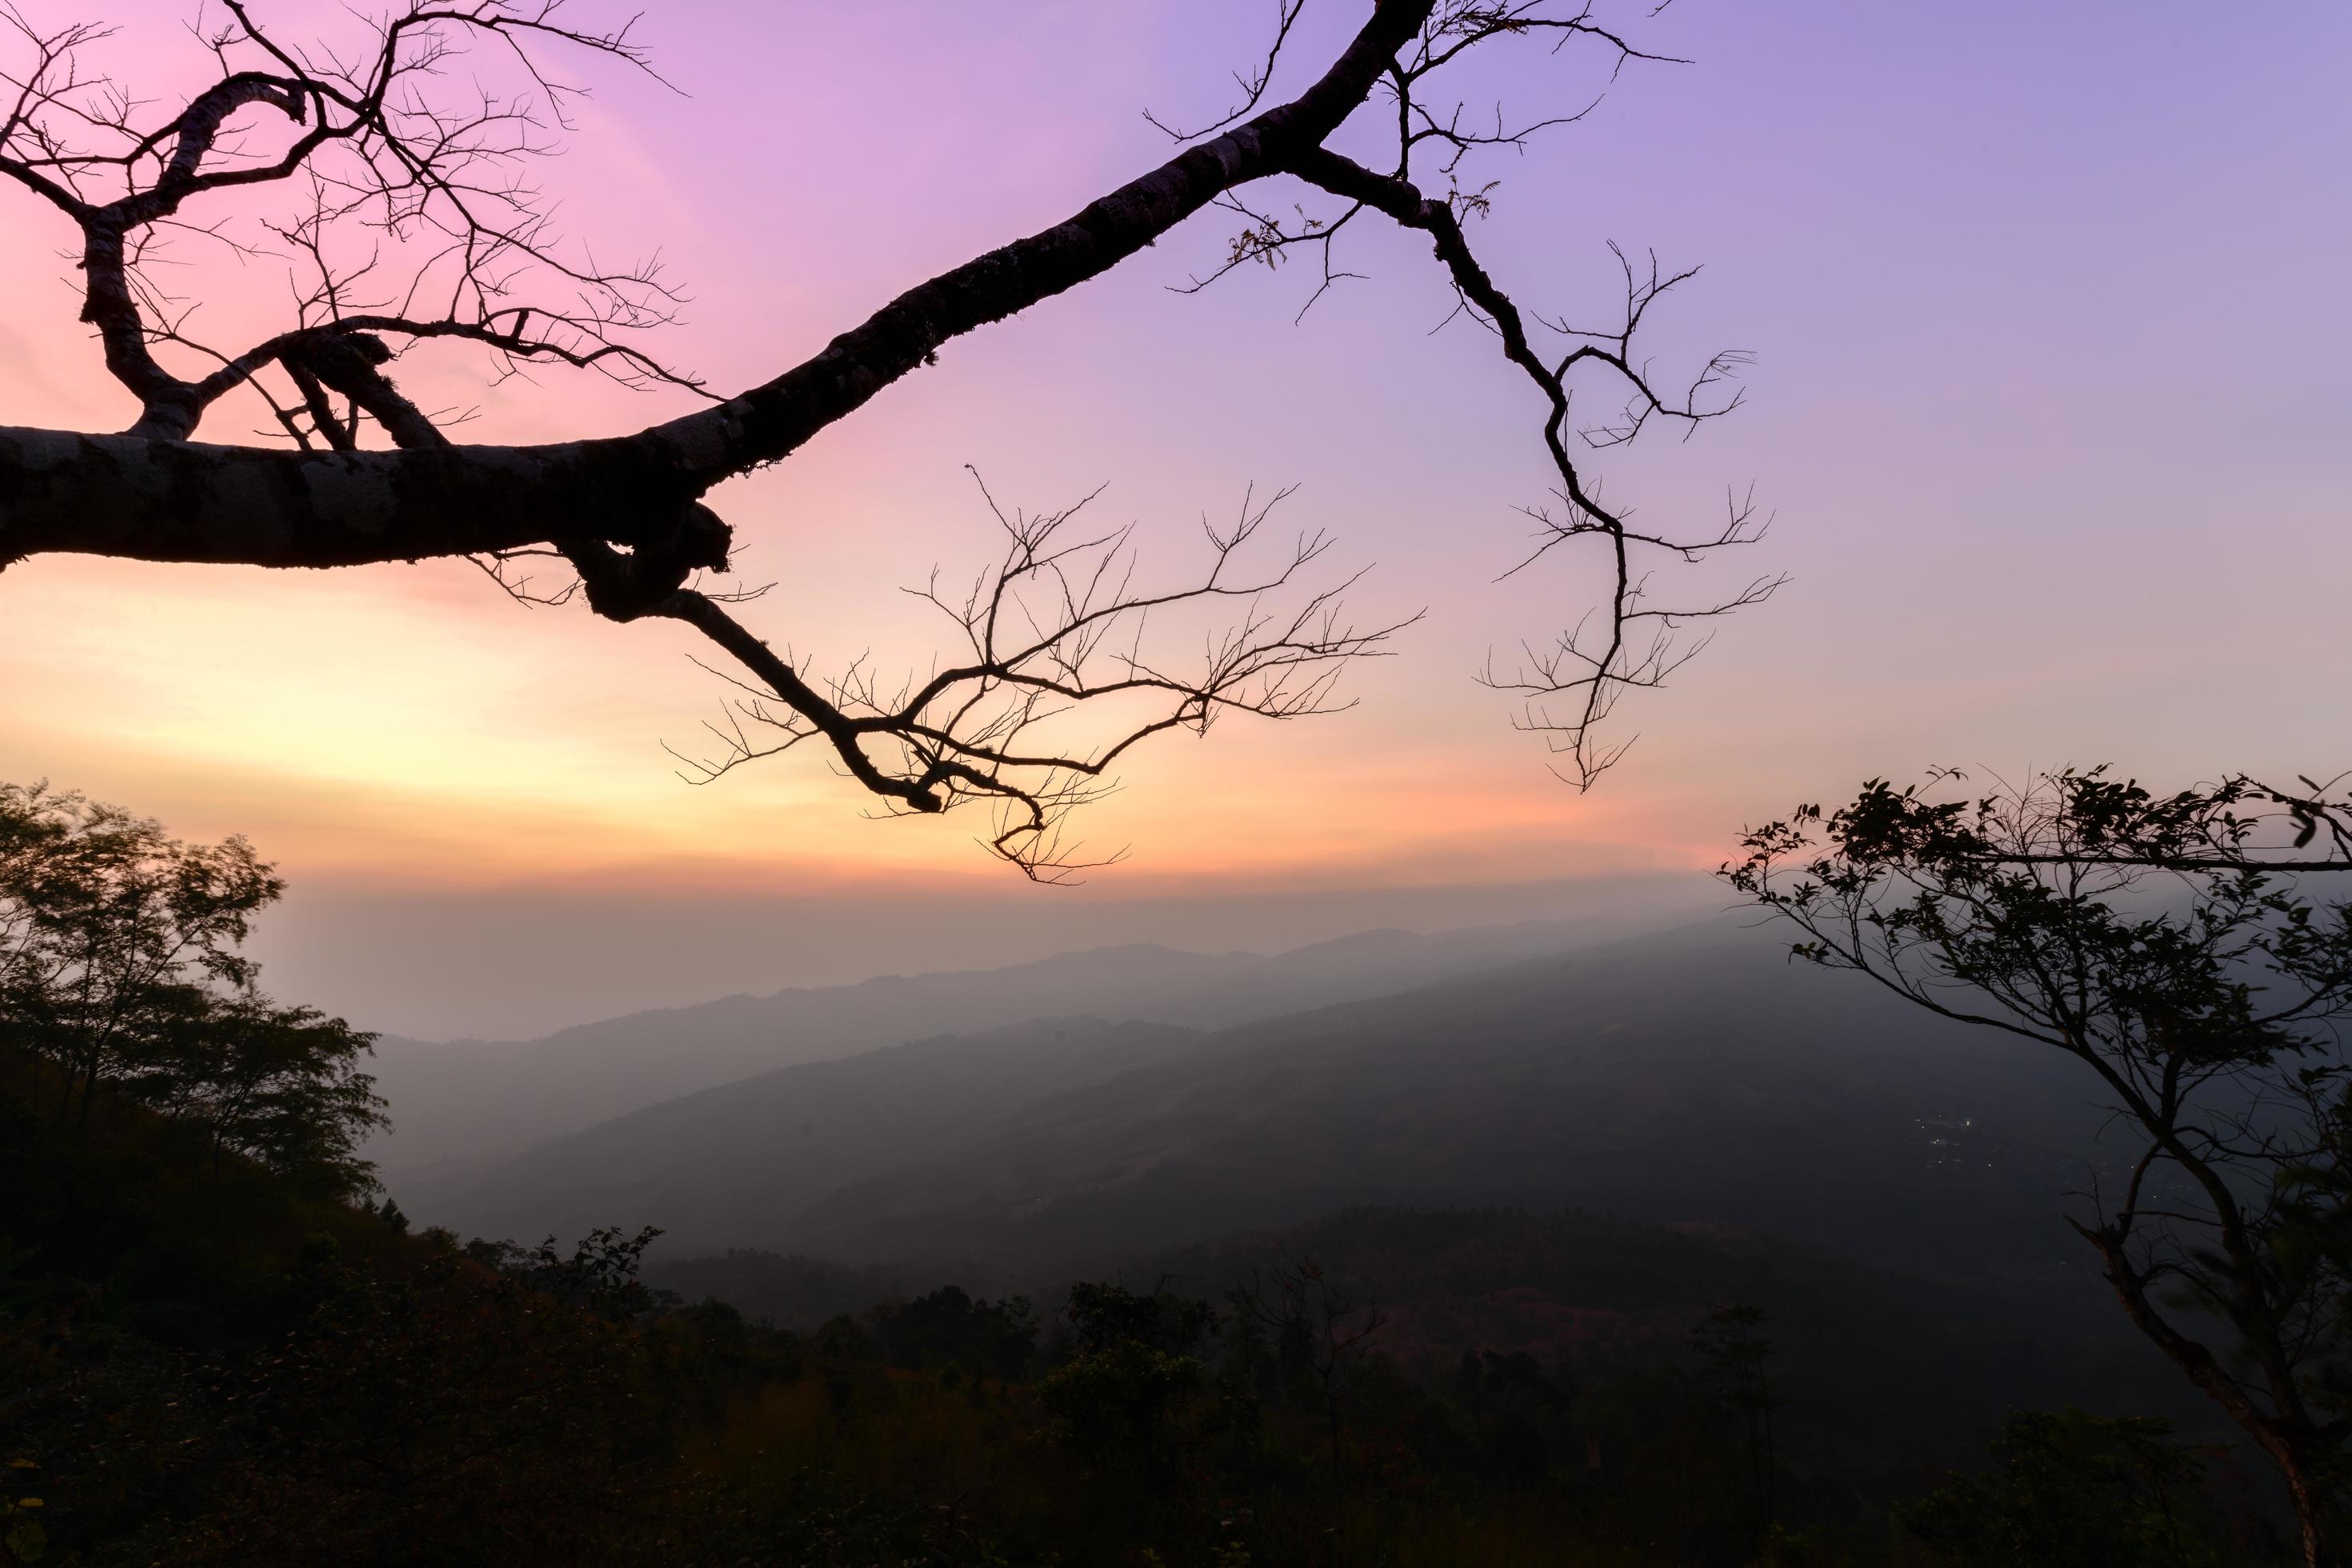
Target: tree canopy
{"type": "Point", "coordinates": [2166, 942]}
{"type": "Point", "coordinates": [122, 967]}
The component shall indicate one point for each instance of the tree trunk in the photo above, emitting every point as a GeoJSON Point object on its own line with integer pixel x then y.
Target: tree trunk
{"type": "Point", "coordinates": [2310, 1503]}
{"type": "Point", "coordinates": [2288, 1439]}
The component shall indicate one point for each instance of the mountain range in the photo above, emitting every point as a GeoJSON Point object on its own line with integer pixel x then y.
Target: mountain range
{"type": "Point", "coordinates": [464, 1101]}
{"type": "Point", "coordinates": [1693, 1075]}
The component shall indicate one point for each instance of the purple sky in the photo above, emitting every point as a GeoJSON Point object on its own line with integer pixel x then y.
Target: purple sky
{"type": "Point", "coordinates": [2048, 308]}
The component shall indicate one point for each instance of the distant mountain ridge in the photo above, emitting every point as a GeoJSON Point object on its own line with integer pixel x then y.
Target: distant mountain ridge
{"type": "Point", "coordinates": [466, 1102]}
{"type": "Point", "coordinates": [1693, 1075]}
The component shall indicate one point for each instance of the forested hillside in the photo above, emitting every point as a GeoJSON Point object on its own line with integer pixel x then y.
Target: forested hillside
{"type": "Point", "coordinates": [209, 1365]}
{"type": "Point", "coordinates": [220, 1344]}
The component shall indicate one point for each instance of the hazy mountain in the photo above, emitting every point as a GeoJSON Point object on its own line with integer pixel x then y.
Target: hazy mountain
{"type": "Point", "coordinates": [738, 1162]}
{"type": "Point", "coordinates": [1693, 1076]}
{"type": "Point", "coordinates": [466, 1101]}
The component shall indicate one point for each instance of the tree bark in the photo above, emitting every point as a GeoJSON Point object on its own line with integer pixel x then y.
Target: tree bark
{"type": "Point", "coordinates": [157, 500]}
{"type": "Point", "coordinates": [2292, 1446]}
{"type": "Point", "coordinates": [2310, 1506]}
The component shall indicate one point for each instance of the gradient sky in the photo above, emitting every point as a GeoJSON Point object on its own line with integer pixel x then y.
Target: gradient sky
{"type": "Point", "coordinates": [2050, 403]}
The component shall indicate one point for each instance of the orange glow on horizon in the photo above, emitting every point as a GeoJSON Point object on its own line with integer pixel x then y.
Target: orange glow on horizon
{"type": "Point", "coordinates": [409, 727]}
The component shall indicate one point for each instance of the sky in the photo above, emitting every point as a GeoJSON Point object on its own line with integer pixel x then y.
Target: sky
{"type": "Point", "coordinates": [2048, 407]}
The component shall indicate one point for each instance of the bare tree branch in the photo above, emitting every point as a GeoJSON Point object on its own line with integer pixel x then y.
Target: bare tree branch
{"type": "Point", "coordinates": [1589, 673]}
{"type": "Point", "coordinates": [1058, 622]}
{"type": "Point", "coordinates": [415, 227]}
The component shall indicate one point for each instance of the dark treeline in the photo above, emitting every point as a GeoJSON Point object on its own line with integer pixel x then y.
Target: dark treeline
{"type": "Point", "coordinates": [218, 1345]}
{"type": "Point", "coordinates": [357, 1393]}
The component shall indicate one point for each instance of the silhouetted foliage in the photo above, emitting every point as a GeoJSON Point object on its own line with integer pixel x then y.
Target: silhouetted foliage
{"type": "Point", "coordinates": [948, 1328]}
{"type": "Point", "coordinates": [1323, 1341]}
{"type": "Point", "coordinates": [277, 1085]}
{"type": "Point", "coordinates": [2163, 941]}
{"type": "Point", "coordinates": [1125, 1396]}
{"type": "Point", "coordinates": [2069, 1490]}
{"type": "Point", "coordinates": [1737, 1360]}
{"type": "Point", "coordinates": [1103, 1315]}
{"type": "Point", "coordinates": [599, 1276]}
{"type": "Point", "coordinates": [120, 966]}
{"type": "Point", "coordinates": [212, 1354]}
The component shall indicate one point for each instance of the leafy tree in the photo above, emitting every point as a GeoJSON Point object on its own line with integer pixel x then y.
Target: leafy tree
{"type": "Point", "coordinates": [1515, 1403]}
{"type": "Point", "coordinates": [2073, 1491]}
{"type": "Point", "coordinates": [1101, 1315]}
{"type": "Point", "coordinates": [600, 1275]}
{"type": "Point", "coordinates": [111, 930]}
{"type": "Point", "coordinates": [279, 1086]}
{"type": "Point", "coordinates": [30, 818]}
{"type": "Point", "coordinates": [2162, 942]}
{"type": "Point", "coordinates": [1120, 1401]}
{"type": "Point", "coordinates": [120, 966]}
{"type": "Point", "coordinates": [440, 1416]}
{"type": "Point", "coordinates": [1737, 1359]}
{"type": "Point", "coordinates": [1322, 1339]}
{"type": "Point", "coordinates": [404, 210]}
{"type": "Point", "coordinates": [949, 1328]}
{"type": "Point", "coordinates": [1124, 1395]}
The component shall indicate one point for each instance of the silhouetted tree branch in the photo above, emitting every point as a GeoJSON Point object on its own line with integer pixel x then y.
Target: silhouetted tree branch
{"type": "Point", "coordinates": [1323, 1339]}
{"type": "Point", "coordinates": [1569, 687]}
{"type": "Point", "coordinates": [1058, 622]}
{"type": "Point", "coordinates": [413, 225]}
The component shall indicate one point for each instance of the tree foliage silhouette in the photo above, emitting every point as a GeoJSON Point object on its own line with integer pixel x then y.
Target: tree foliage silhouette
{"type": "Point", "coordinates": [122, 967]}
{"type": "Point", "coordinates": [2163, 941]}
{"type": "Point", "coordinates": [2069, 1490]}
{"type": "Point", "coordinates": [1738, 1362]}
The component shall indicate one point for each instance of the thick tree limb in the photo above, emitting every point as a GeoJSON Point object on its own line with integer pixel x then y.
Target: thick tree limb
{"type": "Point", "coordinates": [169, 501]}
{"type": "Point", "coordinates": [439, 184]}
{"type": "Point", "coordinates": [141, 500]}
